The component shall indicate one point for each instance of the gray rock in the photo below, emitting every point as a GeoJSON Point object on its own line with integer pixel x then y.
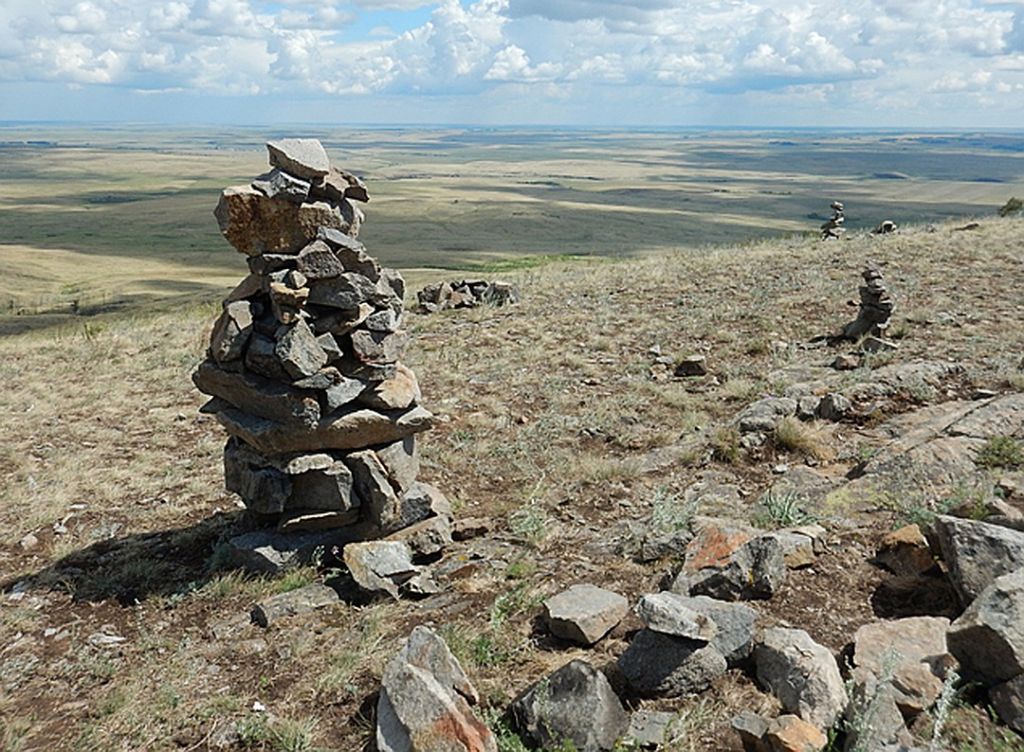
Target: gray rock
{"type": "Point", "coordinates": [977, 553]}
{"type": "Point", "coordinates": [734, 626]}
{"type": "Point", "coordinates": [401, 462]}
{"type": "Point", "coordinates": [802, 674]}
{"type": "Point", "coordinates": [395, 282]}
{"type": "Point", "coordinates": [692, 365]}
{"type": "Point", "coordinates": [873, 719]}
{"type": "Point", "coordinates": [264, 490]}
{"type": "Point", "coordinates": [426, 538]}
{"type": "Point", "coordinates": [420, 501]}
{"type": "Point", "coordinates": [650, 729]}
{"type": "Point", "coordinates": [500, 294]}
{"type": "Point", "coordinates": [279, 184]}
{"type": "Point", "coordinates": [807, 407]}
{"type": "Point", "coordinates": [751, 729]}
{"type": "Point", "coordinates": [302, 157]}
{"type": "Point", "coordinates": [352, 254]}
{"type": "Point", "coordinates": [231, 332]}
{"type": "Point", "coordinates": [381, 506]}
{"type": "Point", "coordinates": [330, 346]}
{"type": "Point", "coordinates": [267, 551]}
{"type": "Point", "coordinates": [261, 358]}
{"type": "Point", "coordinates": [756, 569]}
{"type": "Point", "coordinates": [988, 638]}
{"type": "Point", "coordinates": [425, 699]}
{"type": "Point", "coordinates": [327, 489]}
{"type": "Point", "coordinates": [575, 703]}
{"type": "Point", "coordinates": [298, 351]}
{"type": "Point", "coordinates": [256, 395]}
{"type": "Point", "coordinates": [379, 347]}
{"type": "Point", "coordinates": [341, 322]}
{"type": "Point", "coordinates": [764, 415]}
{"type": "Point", "coordinates": [669, 614]}
{"type": "Point", "coordinates": [294, 602]}
{"type": "Point", "coordinates": [658, 664]}
{"type": "Point", "coordinates": [1008, 700]}
{"type": "Point", "coordinates": [267, 263]}
{"type": "Point", "coordinates": [379, 566]}
{"type": "Point", "coordinates": [385, 321]}
{"type": "Point", "coordinates": [317, 261]}
{"type": "Point", "coordinates": [346, 291]}
{"type": "Point", "coordinates": [834, 407]}
{"type": "Point", "coordinates": [339, 184]}
{"type": "Point", "coordinates": [584, 613]}
{"type": "Point", "coordinates": [337, 390]}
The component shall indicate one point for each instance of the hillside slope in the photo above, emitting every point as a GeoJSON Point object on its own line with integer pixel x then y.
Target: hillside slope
{"type": "Point", "coordinates": [560, 431]}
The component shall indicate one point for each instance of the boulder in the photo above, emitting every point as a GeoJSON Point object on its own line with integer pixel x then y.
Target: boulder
{"type": "Point", "coordinates": [915, 639]}
{"type": "Point", "coordinates": [379, 566]}
{"type": "Point", "coordinates": [802, 674]}
{"type": "Point", "coordinates": [834, 407]}
{"type": "Point", "coordinates": [659, 664]}
{"type": "Point", "coordinates": [326, 489]}
{"type": "Point", "coordinates": [729, 565]}
{"type": "Point", "coordinates": [574, 704]}
{"type": "Point", "coordinates": [977, 553]}
{"type": "Point", "coordinates": [420, 501]}
{"type": "Point", "coordinates": [668, 613]}
{"type": "Point", "coordinates": [302, 157]}
{"type": "Point", "coordinates": [338, 184]}
{"type": "Point", "coordinates": [988, 638]}
{"type": "Point", "coordinates": [500, 294]}
{"type": "Point", "coordinates": [231, 331]}
{"type": "Point", "coordinates": [584, 613]}
{"type": "Point", "coordinates": [425, 702]}
{"type": "Point", "coordinates": [264, 489]}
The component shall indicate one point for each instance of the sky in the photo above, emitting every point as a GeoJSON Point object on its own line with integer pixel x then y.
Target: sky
{"type": "Point", "coordinates": [602, 63]}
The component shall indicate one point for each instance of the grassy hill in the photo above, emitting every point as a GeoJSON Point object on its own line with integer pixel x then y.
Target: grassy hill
{"type": "Point", "coordinates": [119, 626]}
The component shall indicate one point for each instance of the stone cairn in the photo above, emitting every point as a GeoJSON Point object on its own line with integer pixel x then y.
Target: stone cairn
{"type": "Point", "coordinates": [304, 365]}
{"type": "Point", "coordinates": [876, 307]}
{"type": "Point", "coordinates": [465, 293]}
{"type": "Point", "coordinates": [832, 229]}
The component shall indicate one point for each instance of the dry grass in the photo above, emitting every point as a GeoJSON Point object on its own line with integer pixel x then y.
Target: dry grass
{"type": "Point", "coordinates": [550, 407]}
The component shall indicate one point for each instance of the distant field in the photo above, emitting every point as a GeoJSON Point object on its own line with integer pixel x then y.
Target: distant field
{"type": "Point", "coordinates": [97, 220]}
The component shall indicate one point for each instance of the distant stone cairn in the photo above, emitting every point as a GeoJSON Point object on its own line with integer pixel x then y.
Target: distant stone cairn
{"type": "Point", "coordinates": [833, 229]}
{"type": "Point", "coordinates": [876, 307]}
{"type": "Point", "coordinates": [304, 365]}
{"type": "Point", "coordinates": [465, 293]}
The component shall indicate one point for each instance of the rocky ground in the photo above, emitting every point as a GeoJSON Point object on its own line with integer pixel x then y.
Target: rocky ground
{"type": "Point", "coordinates": [573, 454]}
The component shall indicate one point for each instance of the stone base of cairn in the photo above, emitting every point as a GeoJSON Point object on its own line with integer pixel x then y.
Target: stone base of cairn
{"type": "Point", "coordinates": [832, 229]}
{"type": "Point", "coordinates": [876, 307]}
{"type": "Point", "coordinates": [304, 365]}
{"type": "Point", "coordinates": [465, 293]}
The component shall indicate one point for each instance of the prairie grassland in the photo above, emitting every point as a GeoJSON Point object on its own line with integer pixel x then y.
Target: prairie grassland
{"type": "Point", "coordinates": [548, 412]}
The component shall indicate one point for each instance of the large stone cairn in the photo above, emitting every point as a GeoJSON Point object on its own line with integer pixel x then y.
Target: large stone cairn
{"type": "Point", "coordinates": [304, 363]}
{"type": "Point", "coordinates": [832, 229]}
{"type": "Point", "coordinates": [876, 306]}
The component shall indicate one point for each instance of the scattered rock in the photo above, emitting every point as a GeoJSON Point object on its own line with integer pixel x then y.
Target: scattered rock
{"type": "Point", "coordinates": [728, 564]}
{"type": "Point", "coordinates": [576, 704]}
{"type": "Point", "coordinates": [425, 699]}
{"type": "Point", "coordinates": [762, 416]}
{"type": "Point", "coordinates": [905, 552]}
{"type": "Point", "coordinates": [788, 733]}
{"type": "Point", "coordinates": [988, 638]}
{"type": "Point", "coordinates": [300, 601]}
{"type": "Point", "coordinates": [379, 566]}
{"type": "Point", "coordinates": [692, 365]}
{"type": "Point", "coordinates": [834, 407]}
{"type": "Point", "coordinates": [584, 613]}
{"type": "Point", "coordinates": [977, 553]}
{"type": "Point", "coordinates": [668, 613]}
{"type": "Point", "coordinates": [650, 729]}
{"type": "Point", "coordinates": [802, 674]}
{"type": "Point", "coordinates": [466, 293]}
{"type": "Point", "coordinates": [659, 664]}
{"type": "Point", "coordinates": [847, 362]}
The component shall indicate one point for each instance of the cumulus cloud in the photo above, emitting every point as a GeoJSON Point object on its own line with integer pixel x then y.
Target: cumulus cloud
{"type": "Point", "coordinates": [793, 48]}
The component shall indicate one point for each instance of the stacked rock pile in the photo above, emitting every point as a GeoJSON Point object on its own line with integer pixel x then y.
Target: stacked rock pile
{"type": "Point", "coordinates": [833, 226]}
{"type": "Point", "coordinates": [876, 306]}
{"type": "Point", "coordinates": [465, 293]}
{"type": "Point", "coordinates": [304, 365]}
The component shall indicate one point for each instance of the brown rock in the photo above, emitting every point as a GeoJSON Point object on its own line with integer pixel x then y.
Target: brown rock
{"type": "Point", "coordinates": [396, 393]}
{"type": "Point", "coordinates": [286, 303]}
{"type": "Point", "coordinates": [788, 733]}
{"type": "Point", "coordinates": [905, 551]}
{"type": "Point", "coordinates": [258, 396]}
{"type": "Point", "coordinates": [231, 332]}
{"type": "Point", "coordinates": [255, 224]}
{"type": "Point", "coordinates": [692, 365]}
{"type": "Point", "coordinates": [378, 347]}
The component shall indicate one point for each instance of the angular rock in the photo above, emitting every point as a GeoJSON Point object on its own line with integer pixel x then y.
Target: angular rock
{"type": "Point", "coordinates": [385, 321]}
{"type": "Point", "coordinates": [584, 613]}
{"type": "Point", "coordinates": [915, 639]}
{"type": "Point", "coordinates": [378, 347]}
{"type": "Point", "coordinates": [338, 184]}
{"type": "Point", "coordinates": [718, 564]}
{"type": "Point", "coordinates": [425, 699]}
{"type": "Point", "coordinates": [231, 332]}
{"type": "Point", "coordinates": [834, 407]}
{"type": "Point", "coordinates": [575, 704]}
{"type": "Point", "coordinates": [734, 625]}
{"type": "Point", "coordinates": [301, 601]}
{"type": "Point", "coordinates": [256, 395]}
{"type": "Point", "coordinates": [764, 415]}
{"type": "Point", "coordinates": [379, 566]}
{"type": "Point", "coordinates": [421, 501]}
{"type": "Point", "coordinates": [668, 613]}
{"type": "Point", "coordinates": [401, 462]}
{"type": "Point", "coordinates": [396, 393]}
{"type": "Point", "coordinates": [261, 358]}
{"type": "Point", "coordinates": [1008, 701]}
{"type": "Point", "coordinates": [916, 688]}
{"type": "Point", "coordinates": [395, 282]}
{"type": "Point", "coordinates": [905, 552]}
{"type": "Point", "coordinates": [802, 674]}
{"type": "Point", "coordinates": [658, 664]}
{"type": "Point", "coordinates": [873, 719]}
{"type": "Point", "coordinates": [977, 553]}
{"type": "Point", "coordinates": [255, 224]}
{"type": "Point", "coordinates": [279, 184]}
{"type": "Point", "coordinates": [345, 429]}
{"type": "Point", "coordinates": [341, 322]}
{"type": "Point", "coordinates": [317, 261]}
{"type": "Point", "coordinates": [500, 294]}
{"type": "Point", "coordinates": [330, 346]}
{"type": "Point", "coordinates": [286, 303]}
{"type": "Point", "coordinates": [327, 489]}
{"type": "Point", "coordinates": [692, 365]}
{"type": "Point", "coordinates": [352, 254]}
{"type": "Point", "coordinates": [270, 552]}
{"type": "Point", "coordinates": [337, 390]}
{"type": "Point", "coordinates": [347, 291]}
{"type": "Point", "coordinates": [788, 733]}
{"type": "Point", "coordinates": [264, 489]}
{"type": "Point", "coordinates": [298, 351]}
{"type": "Point", "coordinates": [425, 538]}
{"type": "Point", "coordinates": [988, 638]}
{"type": "Point", "coordinates": [381, 506]}
{"type": "Point", "coordinates": [302, 157]}
{"type": "Point", "coordinates": [650, 729]}
{"type": "Point", "coordinates": [751, 729]}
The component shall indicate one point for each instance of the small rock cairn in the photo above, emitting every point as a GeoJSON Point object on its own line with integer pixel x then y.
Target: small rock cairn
{"type": "Point", "coordinates": [465, 293]}
{"type": "Point", "coordinates": [304, 365]}
{"type": "Point", "coordinates": [832, 229]}
{"type": "Point", "coordinates": [876, 306]}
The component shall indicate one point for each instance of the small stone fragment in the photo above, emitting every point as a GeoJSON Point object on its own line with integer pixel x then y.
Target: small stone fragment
{"type": "Point", "coordinates": [302, 157]}
{"type": "Point", "coordinates": [692, 365]}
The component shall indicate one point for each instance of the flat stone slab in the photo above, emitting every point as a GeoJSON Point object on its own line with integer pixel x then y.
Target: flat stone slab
{"type": "Point", "coordinates": [669, 614]}
{"type": "Point", "coordinates": [379, 566]}
{"type": "Point", "coordinates": [302, 157]}
{"type": "Point", "coordinates": [294, 602]}
{"type": "Point", "coordinates": [584, 613]}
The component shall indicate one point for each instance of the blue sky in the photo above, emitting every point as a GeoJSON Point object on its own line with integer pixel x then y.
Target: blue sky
{"type": "Point", "coordinates": [860, 63]}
